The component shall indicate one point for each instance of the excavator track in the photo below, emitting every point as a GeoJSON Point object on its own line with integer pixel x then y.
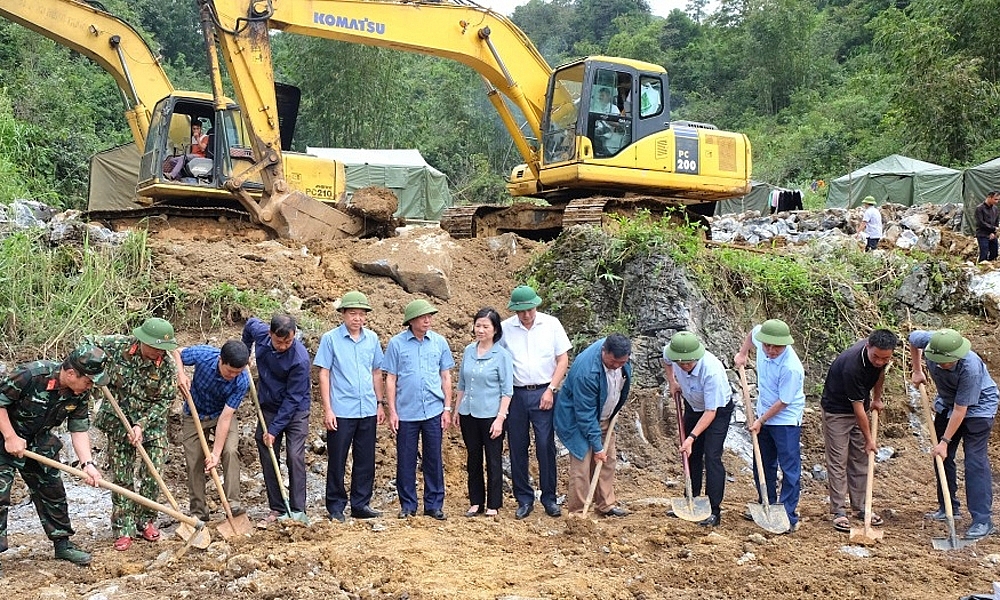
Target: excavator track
{"type": "Point", "coordinates": [170, 210]}
{"type": "Point", "coordinates": [459, 221]}
{"type": "Point", "coordinates": [585, 211]}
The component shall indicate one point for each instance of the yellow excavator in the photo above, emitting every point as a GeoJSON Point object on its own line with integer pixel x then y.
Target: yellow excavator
{"type": "Point", "coordinates": [177, 173]}
{"type": "Point", "coordinates": [600, 126]}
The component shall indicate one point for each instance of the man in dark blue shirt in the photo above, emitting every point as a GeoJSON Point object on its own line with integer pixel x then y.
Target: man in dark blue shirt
{"type": "Point", "coordinates": [284, 394]}
{"type": "Point", "coordinates": [219, 384]}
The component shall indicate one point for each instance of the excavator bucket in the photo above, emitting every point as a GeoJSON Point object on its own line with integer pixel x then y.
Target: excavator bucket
{"type": "Point", "coordinates": [299, 217]}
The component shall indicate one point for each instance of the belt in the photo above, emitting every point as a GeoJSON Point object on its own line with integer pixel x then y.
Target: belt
{"type": "Point", "coordinates": [533, 386]}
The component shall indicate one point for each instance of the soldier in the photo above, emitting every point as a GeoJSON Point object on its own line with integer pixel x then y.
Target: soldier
{"type": "Point", "coordinates": [33, 399]}
{"type": "Point", "coordinates": [143, 379]}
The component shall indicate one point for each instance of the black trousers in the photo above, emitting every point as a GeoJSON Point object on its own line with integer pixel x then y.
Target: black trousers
{"type": "Point", "coordinates": [356, 436]}
{"type": "Point", "coordinates": [476, 434]}
{"type": "Point", "coordinates": [706, 454]}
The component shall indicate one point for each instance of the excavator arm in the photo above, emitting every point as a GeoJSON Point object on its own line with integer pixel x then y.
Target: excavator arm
{"type": "Point", "coordinates": [109, 42]}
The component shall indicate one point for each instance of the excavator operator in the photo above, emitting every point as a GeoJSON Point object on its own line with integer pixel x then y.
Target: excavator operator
{"type": "Point", "coordinates": [174, 165]}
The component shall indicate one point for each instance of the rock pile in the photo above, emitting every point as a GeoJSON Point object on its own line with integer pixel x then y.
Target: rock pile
{"type": "Point", "coordinates": [60, 227]}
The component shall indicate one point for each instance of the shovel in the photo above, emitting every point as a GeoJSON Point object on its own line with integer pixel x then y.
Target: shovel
{"type": "Point", "coordinates": [198, 526]}
{"type": "Point", "coordinates": [289, 513]}
{"type": "Point", "coordinates": [688, 507]}
{"type": "Point", "coordinates": [952, 542]}
{"type": "Point", "coordinates": [597, 470]}
{"type": "Point", "coordinates": [235, 525]}
{"type": "Point", "coordinates": [201, 537]}
{"type": "Point", "coordinates": [869, 536]}
{"type": "Point", "coordinates": [771, 517]}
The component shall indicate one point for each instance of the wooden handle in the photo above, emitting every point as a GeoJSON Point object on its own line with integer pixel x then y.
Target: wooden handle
{"type": "Point", "coordinates": [758, 461]}
{"type": "Point", "coordinates": [142, 451]}
{"type": "Point", "coordinates": [597, 470]}
{"type": "Point", "coordinates": [871, 474]}
{"type": "Point", "coordinates": [270, 449]}
{"type": "Point", "coordinates": [207, 451]}
{"type": "Point", "coordinates": [938, 461]}
{"type": "Point", "coordinates": [117, 489]}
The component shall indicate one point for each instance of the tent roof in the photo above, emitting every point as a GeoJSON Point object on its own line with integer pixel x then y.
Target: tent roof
{"type": "Point", "coordinates": [991, 165]}
{"type": "Point", "coordinates": [363, 156]}
{"type": "Point", "coordinates": [899, 165]}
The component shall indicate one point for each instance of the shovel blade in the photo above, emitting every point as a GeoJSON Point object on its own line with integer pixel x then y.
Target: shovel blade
{"type": "Point", "coordinates": [201, 537]}
{"type": "Point", "coordinates": [948, 543]}
{"type": "Point", "coordinates": [691, 509]}
{"type": "Point", "coordinates": [770, 517]}
{"type": "Point", "coordinates": [866, 537]}
{"type": "Point", "coordinates": [237, 526]}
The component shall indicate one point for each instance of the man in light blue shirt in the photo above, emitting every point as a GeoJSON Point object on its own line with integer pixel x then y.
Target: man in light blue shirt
{"type": "Point", "coordinates": [965, 408]}
{"type": "Point", "coordinates": [698, 377]}
{"type": "Point", "coordinates": [418, 388]}
{"type": "Point", "coordinates": [780, 405]}
{"type": "Point", "coordinates": [350, 383]}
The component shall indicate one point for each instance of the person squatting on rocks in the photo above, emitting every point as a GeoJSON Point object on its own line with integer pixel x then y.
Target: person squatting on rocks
{"type": "Point", "coordinates": [142, 377]}
{"type": "Point", "coordinates": [284, 397]}
{"type": "Point", "coordinates": [35, 398]}
{"type": "Point", "coordinates": [485, 386]}
{"type": "Point", "coordinates": [539, 347]}
{"type": "Point", "coordinates": [780, 406]}
{"type": "Point", "coordinates": [595, 389]}
{"type": "Point", "coordinates": [219, 384]}
{"type": "Point", "coordinates": [418, 366]}
{"type": "Point", "coordinates": [854, 385]}
{"type": "Point", "coordinates": [351, 388]}
{"type": "Point", "coordinates": [987, 221]}
{"type": "Point", "coordinates": [699, 377]}
{"type": "Point", "coordinates": [964, 409]}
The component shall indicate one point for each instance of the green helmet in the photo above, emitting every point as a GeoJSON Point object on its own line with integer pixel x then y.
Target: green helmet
{"type": "Point", "coordinates": [869, 200]}
{"type": "Point", "coordinates": [523, 298]}
{"type": "Point", "coordinates": [354, 299]}
{"type": "Point", "coordinates": [88, 360]}
{"type": "Point", "coordinates": [947, 346]}
{"type": "Point", "coordinates": [158, 333]}
{"type": "Point", "coordinates": [775, 332]}
{"type": "Point", "coordinates": [684, 346]}
{"type": "Point", "coordinates": [417, 308]}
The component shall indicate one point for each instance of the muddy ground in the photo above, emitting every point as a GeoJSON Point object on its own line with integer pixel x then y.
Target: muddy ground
{"type": "Point", "coordinates": [644, 555]}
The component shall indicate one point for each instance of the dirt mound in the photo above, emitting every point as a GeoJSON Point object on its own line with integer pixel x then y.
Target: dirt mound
{"type": "Point", "coordinates": [374, 202]}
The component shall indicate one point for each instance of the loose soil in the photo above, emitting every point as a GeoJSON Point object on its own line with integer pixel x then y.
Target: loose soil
{"type": "Point", "coordinates": [644, 555]}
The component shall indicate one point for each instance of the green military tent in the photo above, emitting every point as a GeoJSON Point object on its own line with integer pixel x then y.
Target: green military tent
{"type": "Point", "coordinates": [758, 199]}
{"type": "Point", "coordinates": [421, 189]}
{"type": "Point", "coordinates": [977, 182]}
{"type": "Point", "coordinates": [113, 175]}
{"type": "Point", "coordinates": [897, 179]}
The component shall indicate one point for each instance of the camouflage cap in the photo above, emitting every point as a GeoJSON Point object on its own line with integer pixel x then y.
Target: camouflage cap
{"type": "Point", "coordinates": [88, 360]}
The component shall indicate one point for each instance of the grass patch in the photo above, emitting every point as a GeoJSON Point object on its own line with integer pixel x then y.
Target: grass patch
{"type": "Point", "coordinates": [52, 297]}
{"type": "Point", "coordinates": [228, 304]}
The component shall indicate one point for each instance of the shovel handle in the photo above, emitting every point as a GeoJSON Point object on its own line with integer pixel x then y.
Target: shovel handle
{"type": "Point", "coordinates": [117, 489]}
{"type": "Point", "coordinates": [938, 461]}
{"type": "Point", "coordinates": [758, 462]}
{"type": "Point", "coordinates": [871, 475]}
{"type": "Point", "coordinates": [270, 449]}
{"type": "Point", "coordinates": [597, 470]}
{"type": "Point", "coordinates": [681, 435]}
{"type": "Point", "coordinates": [140, 449]}
{"type": "Point", "coordinates": [207, 451]}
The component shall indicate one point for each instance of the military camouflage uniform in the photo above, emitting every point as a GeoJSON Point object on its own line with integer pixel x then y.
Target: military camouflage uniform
{"type": "Point", "coordinates": [145, 391]}
{"type": "Point", "coordinates": [35, 405]}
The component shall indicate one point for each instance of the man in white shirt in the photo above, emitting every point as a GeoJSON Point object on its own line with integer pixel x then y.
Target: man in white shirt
{"type": "Point", "coordinates": [539, 346]}
{"type": "Point", "coordinates": [872, 220]}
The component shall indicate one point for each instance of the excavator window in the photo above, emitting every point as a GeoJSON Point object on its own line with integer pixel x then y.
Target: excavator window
{"type": "Point", "coordinates": [565, 91]}
{"type": "Point", "coordinates": [650, 96]}
{"type": "Point", "coordinates": [609, 127]}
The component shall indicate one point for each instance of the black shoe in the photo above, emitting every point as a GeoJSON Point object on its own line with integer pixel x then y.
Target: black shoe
{"type": "Point", "coordinates": [237, 510]}
{"type": "Point", "coordinates": [616, 512]}
{"type": "Point", "coordinates": [553, 510]}
{"type": "Point", "coordinates": [435, 513]}
{"type": "Point", "coordinates": [407, 513]}
{"type": "Point", "coordinates": [940, 515]}
{"type": "Point", "coordinates": [365, 512]}
{"type": "Point", "coordinates": [67, 550]}
{"type": "Point", "coordinates": [711, 521]}
{"type": "Point", "coordinates": [337, 516]}
{"type": "Point", "coordinates": [523, 510]}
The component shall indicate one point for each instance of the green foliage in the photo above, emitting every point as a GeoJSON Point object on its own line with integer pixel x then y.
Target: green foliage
{"type": "Point", "coordinates": [227, 304]}
{"type": "Point", "coordinates": [50, 297]}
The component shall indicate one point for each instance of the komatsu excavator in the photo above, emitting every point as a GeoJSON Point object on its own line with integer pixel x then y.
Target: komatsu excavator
{"type": "Point", "coordinates": [177, 176]}
{"type": "Point", "coordinates": [600, 126]}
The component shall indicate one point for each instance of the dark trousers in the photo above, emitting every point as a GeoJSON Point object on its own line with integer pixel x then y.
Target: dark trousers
{"type": "Point", "coordinates": [44, 485]}
{"type": "Point", "coordinates": [706, 454]}
{"type": "Point", "coordinates": [428, 434]}
{"type": "Point", "coordinates": [780, 446]}
{"type": "Point", "coordinates": [476, 434]}
{"type": "Point", "coordinates": [974, 432]}
{"type": "Point", "coordinates": [871, 244]}
{"type": "Point", "coordinates": [524, 415]}
{"type": "Point", "coordinates": [987, 248]}
{"type": "Point", "coordinates": [294, 435]}
{"type": "Point", "coordinates": [356, 436]}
